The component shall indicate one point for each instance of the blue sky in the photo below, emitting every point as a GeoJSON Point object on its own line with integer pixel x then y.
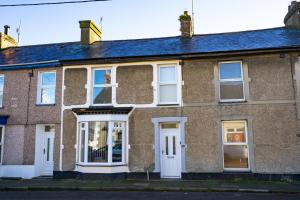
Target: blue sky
{"type": "Point", "coordinates": [129, 19]}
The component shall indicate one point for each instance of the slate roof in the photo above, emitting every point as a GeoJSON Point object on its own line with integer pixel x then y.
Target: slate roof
{"type": "Point", "coordinates": [53, 54]}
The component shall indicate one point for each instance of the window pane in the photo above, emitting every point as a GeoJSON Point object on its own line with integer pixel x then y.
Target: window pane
{"type": "Point", "coordinates": [1, 135]}
{"type": "Point", "coordinates": [1, 82]}
{"type": "Point", "coordinates": [102, 77]}
{"type": "Point", "coordinates": [1, 98]}
{"type": "Point", "coordinates": [230, 70]}
{"type": "Point", "coordinates": [167, 145]}
{"type": "Point", "coordinates": [174, 145]}
{"type": "Point", "coordinates": [82, 147]}
{"type": "Point", "coordinates": [235, 156]}
{"type": "Point", "coordinates": [49, 128]}
{"type": "Point", "coordinates": [234, 132]}
{"type": "Point", "coordinates": [48, 95]}
{"type": "Point", "coordinates": [117, 149]}
{"type": "Point", "coordinates": [102, 95]}
{"type": "Point", "coordinates": [169, 125]}
{"type": "Point", "coordinates": [231, 90]}
{"type": "Point", "coordinates": [97, 142]}
{"type": "Point", "coordinates": [167, 74]}
{"type": "Point", "coordinates": [168, 93]}
{"type": "Point", "coordinates": [48, 149]}
{"type": "Point", "coordinates": [48, 79]}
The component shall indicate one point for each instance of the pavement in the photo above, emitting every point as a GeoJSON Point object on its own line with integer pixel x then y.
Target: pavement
{"type": "Point", "coordinates": [112, 195]}
{"type": "Point", "coordinates": [153, 185]}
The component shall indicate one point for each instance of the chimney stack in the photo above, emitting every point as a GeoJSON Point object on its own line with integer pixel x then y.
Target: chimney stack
{"type": "Point", "coordinates": [186, 26]}
{"type": "Point", "coordinates": [292, 18]}
{"type": "Point", "coordinates": [6, 28]}
{"type": "Point", "coordinates": [90, 33]}
{"type": "Point", "coordinates": [6, 40]}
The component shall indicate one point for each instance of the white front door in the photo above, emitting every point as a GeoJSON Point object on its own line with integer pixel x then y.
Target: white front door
{"type": "Point", "coordinates": [44, 148]}
{"type": "Point", "coordinates": [48, 162]}
{"type": "Point", "coordinates": [170, 153]}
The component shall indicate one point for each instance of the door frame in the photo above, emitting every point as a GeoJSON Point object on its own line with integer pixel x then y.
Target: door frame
{"type": "Point", "coordinates": [39, 146]}
{"type": "Point", "coordinates": [179, 162]}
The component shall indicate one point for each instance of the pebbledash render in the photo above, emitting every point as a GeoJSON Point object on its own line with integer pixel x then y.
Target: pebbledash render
{"type": "Point", "coordinates": [192, 106]}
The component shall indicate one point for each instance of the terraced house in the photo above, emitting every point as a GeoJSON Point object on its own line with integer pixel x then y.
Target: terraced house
{"type": "Point", "coordinates": [190, 106]}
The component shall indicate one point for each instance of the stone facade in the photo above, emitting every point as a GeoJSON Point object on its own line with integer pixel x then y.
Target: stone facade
{"type": "Point", "coordinates": [269, 110]}
{"type": "Point", "coordinates": [20, 103]}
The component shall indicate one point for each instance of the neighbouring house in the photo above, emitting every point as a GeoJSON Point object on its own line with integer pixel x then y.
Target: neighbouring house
{"type": "Point", "coordinates": [191, 106]}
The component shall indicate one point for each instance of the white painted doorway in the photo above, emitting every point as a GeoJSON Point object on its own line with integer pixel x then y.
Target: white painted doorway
{"type": "Point", "coordinates": [45, 150]}
{"type": "Point", "coordinates": [170, 150]}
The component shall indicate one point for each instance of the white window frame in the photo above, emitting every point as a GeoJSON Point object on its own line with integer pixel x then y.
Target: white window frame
{"type": "Point", "coordinates": [236, 144]}
{"type": "Point", "coordinates": [112, 80]}
{"type": "Point", "coordinates": [2, 89]}
{"type": "Point", "coordinates": [2, 144]}
{"type": "Point", "coordinates": [110, 128]}
{"type": "Point", "coordinates": [40, 87]}
{"type": "Point", "coordinates": [231, 80]}
{"type": "Point", "coordinates": [176, 83]}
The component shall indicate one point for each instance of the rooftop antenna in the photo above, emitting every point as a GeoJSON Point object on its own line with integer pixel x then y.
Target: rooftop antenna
{"type": "Point", "coordinates": [193, 14]}
{"type": "Point", "coordinates": [101, 22]}
{"type": "Point", "coordinates": [18, 30]}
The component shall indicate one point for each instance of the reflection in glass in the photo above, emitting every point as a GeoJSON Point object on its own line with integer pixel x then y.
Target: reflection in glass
{"type": "Point", "coordinates": [235, 156]}
{"type": "Point", "coordinates": [48, 95]}
{"type": "Point", "coordinates": [167, 75]}
{"type": "Point", "coordinates": [97, 142]}
{"type": "Point", "coordinates": [231, 90]}
{"type": "Point", "coordinates": [117, 136]}
{"type": "Point", "coordinates": [102, 77]}
{"type": "Point", "coordinates": [168, 93]}
{"type": "Point", "coordinates": [82, 147]}
{"type": "Point", "coordinates": [48, 79]}
{"type": "Point", "coordinates": [230, 70]}
{"type": "Point", "coordinates": [102, 95]}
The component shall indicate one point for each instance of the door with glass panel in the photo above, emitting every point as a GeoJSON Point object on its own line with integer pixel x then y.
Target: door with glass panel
{"type": "Point", "coordinates": [170, 151]}
{"type": "Point", "coordinates": [48, 147]}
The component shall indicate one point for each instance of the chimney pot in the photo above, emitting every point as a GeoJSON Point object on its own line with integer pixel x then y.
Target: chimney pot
{"type": "Point", "coordinates": [90, 33]}
{"type": "Point", "coordinates": [186, 26]}
{"type": "Point", "coordinates": [6, 29]}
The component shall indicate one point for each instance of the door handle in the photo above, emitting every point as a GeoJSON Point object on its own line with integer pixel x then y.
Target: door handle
{"type": "Point", "coordinates": [44, 151]}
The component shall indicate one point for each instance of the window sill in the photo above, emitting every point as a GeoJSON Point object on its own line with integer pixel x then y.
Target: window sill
{"type": "Point", "coordinates": [232, 101]}
{"type": "Point", "coordinates": [101, 165]}
{"type": "Point", "coordinates": [168, 104]}
{"type": "Point", "coordinates": [236, 170]}
{"type": "Point", "coordinates": [41, 104]}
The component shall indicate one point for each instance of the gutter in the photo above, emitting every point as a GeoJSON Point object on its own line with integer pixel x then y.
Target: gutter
{"type": "Point", "coordinates": [45, 64]}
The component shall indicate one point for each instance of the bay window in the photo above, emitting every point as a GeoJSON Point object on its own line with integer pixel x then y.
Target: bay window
{"type": "Point", "coordinates": [101, 142]}
{"type": "Point", "coordinates": [46, 88]}
{"type": "Point", "coordinates": [235, 145]}
{"type": "Point", "coordinates": [231, 81]}
{"type": "Point", "coordinates": [102, 86]}
{"type": "Point", "coordinates": [167, 84]}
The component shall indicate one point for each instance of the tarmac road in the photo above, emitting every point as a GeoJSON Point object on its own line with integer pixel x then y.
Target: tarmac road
{"type": "Point", "coordinates": [73, 195]}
